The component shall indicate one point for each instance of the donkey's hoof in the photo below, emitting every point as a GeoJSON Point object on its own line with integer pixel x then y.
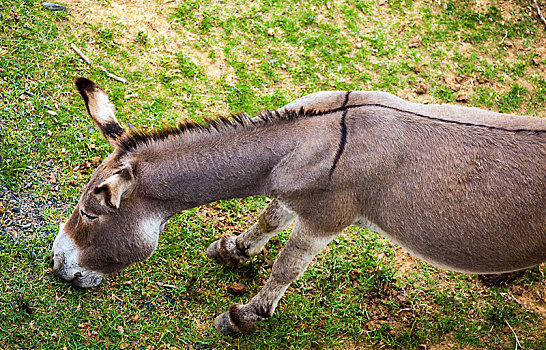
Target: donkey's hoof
{"type": "Point", "coordinates": [213, 252]}
{"type": "Point", "coordinates": [224, 251]}
{"type": "Point", "coordinates": [223, 324]}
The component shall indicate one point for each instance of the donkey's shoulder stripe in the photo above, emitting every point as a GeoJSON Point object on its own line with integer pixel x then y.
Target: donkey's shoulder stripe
{"type": "Point", "coordinates": [343, 137]}
{"type": "Point", "coordinates": [346, 99]}
{"type": "Point", "coordinates": [342, 142]}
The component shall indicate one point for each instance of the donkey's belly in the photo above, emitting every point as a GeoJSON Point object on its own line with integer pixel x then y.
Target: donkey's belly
{"type": "Point", "coordinates": [459, 257]}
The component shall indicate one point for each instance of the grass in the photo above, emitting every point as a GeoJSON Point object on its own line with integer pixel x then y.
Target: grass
{"type": "Point", "coordinates": [199, 59]}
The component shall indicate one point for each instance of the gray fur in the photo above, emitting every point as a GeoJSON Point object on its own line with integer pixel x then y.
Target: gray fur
{"type": "Point", "coordinates": [462, 188]}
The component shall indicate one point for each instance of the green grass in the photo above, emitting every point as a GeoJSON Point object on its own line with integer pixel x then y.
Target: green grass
{"type": "Point", "coordinates": [199, 59]}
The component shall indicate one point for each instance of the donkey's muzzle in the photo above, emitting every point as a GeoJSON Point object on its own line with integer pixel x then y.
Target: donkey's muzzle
{"type": "Point", "coordinates": [65, 263]}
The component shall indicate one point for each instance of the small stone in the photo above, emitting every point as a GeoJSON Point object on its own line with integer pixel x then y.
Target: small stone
{"type": "Point", "coordinates": [463, 97]}
{"type": "Point", "coordinates": [237, 288]}
{"type": "Point", "coordinates": [358, 45]}
{"type": "Point", "coordinates": [51, 112]}
{"type": "Point", "coordinates": [270, 31]}
{"type": "Point", "coordinates": [415, 42]}
{"type": "Point", "coordinates": [454, 87]}
{"type": "Point", "coordinates": [482, 80]}
{"type": "Point", "coordinates": [421, 89]}
{"type": "Point", "coordinates": [53, 6]}
{"type": "Point", "coordinates": [508, 43]}
{"type": "Point", "coordinates": [202, 346]}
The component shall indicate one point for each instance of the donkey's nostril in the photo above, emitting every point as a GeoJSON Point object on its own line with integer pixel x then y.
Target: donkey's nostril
{"type": "Point", "coordinates": [78, 274]}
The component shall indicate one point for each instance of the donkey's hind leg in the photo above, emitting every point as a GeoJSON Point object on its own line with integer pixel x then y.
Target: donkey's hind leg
{"type": "Point", "coordinates": [302, 246]}
{"type": "Point", "coordinates": [232, 250]}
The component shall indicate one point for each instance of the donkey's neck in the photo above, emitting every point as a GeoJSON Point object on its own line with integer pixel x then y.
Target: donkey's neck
{"type": "Point", "coordinates": [191, 170]}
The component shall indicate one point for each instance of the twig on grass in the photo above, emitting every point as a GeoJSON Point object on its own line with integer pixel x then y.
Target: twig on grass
{"type": "Point", "coordinates": [81, 54]}
{"type": "Point", "coordinates": [539, 13]}
{"type": "Point", "coordinates": [88, 61]}
{"type": "Point", "coordinates": [110, 75]}
{"type": "Point", "coordinates": [518, 345]}
{"type": "Point", "coordinates": [130, 96]}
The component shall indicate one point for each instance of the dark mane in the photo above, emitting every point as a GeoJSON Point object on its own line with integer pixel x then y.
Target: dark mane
{"type": "Point", "coordinates": [141, 137]}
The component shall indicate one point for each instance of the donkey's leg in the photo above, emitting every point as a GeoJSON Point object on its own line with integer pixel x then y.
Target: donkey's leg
{"type": "Point", "coordinates": [292, 261]}
{"type": "Point", "coordinates": [231, 250]}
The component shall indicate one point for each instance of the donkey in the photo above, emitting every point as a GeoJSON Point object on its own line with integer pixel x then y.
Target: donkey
{"type": "Point", "coordinates": [461, 188]}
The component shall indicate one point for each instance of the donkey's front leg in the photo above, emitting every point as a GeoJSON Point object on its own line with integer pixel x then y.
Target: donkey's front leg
{"type": "Point", "coordinates": [292, 261]}
{"type": "Point", "coordinates": [232, 250]}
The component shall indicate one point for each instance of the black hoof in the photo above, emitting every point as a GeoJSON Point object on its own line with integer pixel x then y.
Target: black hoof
{"type": "Point", "coordinates": [223, 325]}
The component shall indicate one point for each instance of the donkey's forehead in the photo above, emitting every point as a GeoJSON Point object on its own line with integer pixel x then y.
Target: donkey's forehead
{"type": "Point", "coordinates": [101, 173]}
{"type": "Point", "coordinates": [106, 168]}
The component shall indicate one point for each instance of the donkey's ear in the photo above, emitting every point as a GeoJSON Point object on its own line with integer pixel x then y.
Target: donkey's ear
{"type": "Point", "coordinates": [113, 189]}
{"type": "Point", "coordinates": [101, 110]}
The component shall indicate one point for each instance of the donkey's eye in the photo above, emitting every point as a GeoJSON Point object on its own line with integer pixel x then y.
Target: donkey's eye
{"type": "Point", "coordinates": [90, 217]}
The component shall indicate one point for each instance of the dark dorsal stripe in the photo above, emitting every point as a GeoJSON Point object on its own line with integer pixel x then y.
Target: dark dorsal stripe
{"type": "Point", "coordinates": [136, 138]}
{"type": "Point", "coordinates": [438, 119]}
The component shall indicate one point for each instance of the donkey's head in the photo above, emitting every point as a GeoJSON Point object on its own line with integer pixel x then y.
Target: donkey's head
{"type": "Point", "coordinates": [112, 225]}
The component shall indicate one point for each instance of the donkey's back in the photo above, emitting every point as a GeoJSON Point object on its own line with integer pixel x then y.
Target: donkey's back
{"type": "Point", "coordinates": [462, 188]}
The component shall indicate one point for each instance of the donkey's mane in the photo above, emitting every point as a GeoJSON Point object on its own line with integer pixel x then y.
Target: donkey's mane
{"type": "Point", "coordinates": [142, 137]}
